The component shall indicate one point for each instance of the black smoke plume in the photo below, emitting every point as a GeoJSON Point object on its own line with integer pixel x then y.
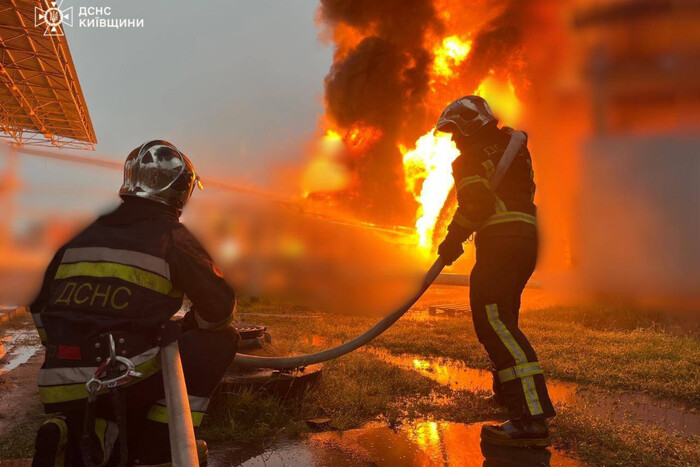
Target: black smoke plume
{"type": "Point", "coordinates": [383, 82]}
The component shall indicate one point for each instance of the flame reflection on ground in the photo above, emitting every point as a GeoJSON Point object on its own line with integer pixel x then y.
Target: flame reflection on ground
{"type": "Point", "coordinates": [423, 443]}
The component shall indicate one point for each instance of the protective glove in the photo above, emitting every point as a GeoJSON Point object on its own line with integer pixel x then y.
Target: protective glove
{"type": "Point", "coordinates": [451, 247]}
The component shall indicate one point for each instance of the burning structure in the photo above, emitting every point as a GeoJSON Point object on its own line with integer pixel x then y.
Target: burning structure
{"type": "Point", "coordinates": [578, 76]}
{"type": "Point", "coordinates": [396, 65]}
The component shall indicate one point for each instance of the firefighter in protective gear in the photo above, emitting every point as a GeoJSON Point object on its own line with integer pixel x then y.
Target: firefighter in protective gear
{"type": "Point", "coordinates": [127, 274]}
{"type": "Point", "coordinates": [504, 222]}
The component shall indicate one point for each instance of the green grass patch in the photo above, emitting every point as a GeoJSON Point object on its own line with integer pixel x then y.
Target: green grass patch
{"type": "Point", "coordinates": [353, 390]}
{"type": "Point", "coordinates": [18, 442]}
{"type": "Point", "coordinates": [610, 348]}
{"type": "Point", "coordinates": [602, 441]}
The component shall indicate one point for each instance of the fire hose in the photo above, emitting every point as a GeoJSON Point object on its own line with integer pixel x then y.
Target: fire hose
{"type": "Point", "coordinates": [517, 140]}
{"type": "Point", "coordinates": [281, 363]}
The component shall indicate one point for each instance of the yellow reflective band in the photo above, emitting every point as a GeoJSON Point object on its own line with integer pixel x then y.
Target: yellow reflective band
{"type": "Point", "coordinates": [110, 255]}
{"type": "Point", "coordinates": [101, 432]}
{"type": "Point", "coordinates": [519, 371]}
{"type": "Point", "coordinates": [471, 180]}
{"type": "Point", "coordinates": [131, 274]}
{"type": "Point", "coordinates": [533, 401]}
{"type": "Point", "coordinates": [504, 334]}
{"type": "Point", "coordinates": [488, 167]}
{"type": "Point", "coordinates": [510, 216]}
{"type": "Point", "coordinates": [159, 413]}
{"type": "Point", "coordinates": [42, 334]}
{"type": "Point", "coordinates": [69, 392]}
{"type": "Point", "coordinates": [529, 389]}
{"type": "Point", "coordinates": [63, 393]}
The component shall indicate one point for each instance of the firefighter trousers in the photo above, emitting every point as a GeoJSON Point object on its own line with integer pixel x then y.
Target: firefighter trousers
{"type": "Point", "coordinates": [205, 356]}
{"type": "Point", "coordinates": [503, 267]}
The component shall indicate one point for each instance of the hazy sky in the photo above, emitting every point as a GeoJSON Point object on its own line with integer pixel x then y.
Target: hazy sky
{"type": "Point", "coordinates": [236, 84]}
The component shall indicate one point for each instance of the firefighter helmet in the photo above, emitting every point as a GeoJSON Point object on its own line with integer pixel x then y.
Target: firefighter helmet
{"type": "Point", "coordinates": [158, 171]}
{"type": "Point", "coordinates": [468, 115]}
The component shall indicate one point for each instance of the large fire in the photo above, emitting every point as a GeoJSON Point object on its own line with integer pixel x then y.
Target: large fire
{"type": "Point", "coordinates": [392, 76]}
{"type": "Point", "coordinates": [427, 167]}
{"type": "Point", "coordinates": [448, 55]}
{"type": "Point", "coordinates": [428, 173]}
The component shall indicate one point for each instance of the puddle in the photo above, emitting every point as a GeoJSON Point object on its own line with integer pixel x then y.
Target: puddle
{"type": "Point", "coordinates": [421, 443]}
{"type": "Point", "coordinates": [638, 407]}
{"type": "Point", "coordinates": [16, 348]}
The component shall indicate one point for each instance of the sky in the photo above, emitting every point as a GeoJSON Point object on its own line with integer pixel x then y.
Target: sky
{"type": "Point", "coordinates": [237, 85]}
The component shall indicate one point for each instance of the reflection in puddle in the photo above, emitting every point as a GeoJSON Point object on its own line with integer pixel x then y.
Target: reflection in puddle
{"type": "Point", "coordinates": [640, 407]}
{"type": "Point", "coordinates": [421, 443]}
{"type": "Point", "coordinates": [16, 348]}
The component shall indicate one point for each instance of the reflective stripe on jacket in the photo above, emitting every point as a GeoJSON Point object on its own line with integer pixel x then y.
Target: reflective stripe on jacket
{"type": "Point", "coordinates": [128, 271]}
{"type": "Point", "coordinates": [508, 211]}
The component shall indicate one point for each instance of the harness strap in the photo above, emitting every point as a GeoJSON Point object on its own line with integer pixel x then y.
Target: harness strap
{"type": "Point", "coordinates": [517, 139]}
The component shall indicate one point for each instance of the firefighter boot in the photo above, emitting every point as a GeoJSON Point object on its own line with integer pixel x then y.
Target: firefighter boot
{"type": "Point", "coordinates": [50, 444]}
{"type": "Point", "coordinates": [517, 433]}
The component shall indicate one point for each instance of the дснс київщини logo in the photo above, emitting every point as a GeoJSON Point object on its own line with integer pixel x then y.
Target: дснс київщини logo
{"type": "Point", "coordinates": [53, 17]}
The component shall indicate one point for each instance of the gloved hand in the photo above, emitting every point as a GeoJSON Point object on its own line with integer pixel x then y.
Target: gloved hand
{"type": "Point", "coordinates": [451, 247]}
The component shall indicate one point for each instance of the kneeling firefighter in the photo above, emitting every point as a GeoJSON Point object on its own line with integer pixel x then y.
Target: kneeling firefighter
{"type": "Point", "coordinates": [506, 252]}
{"type": "Point", "coordinates": [114, 289]}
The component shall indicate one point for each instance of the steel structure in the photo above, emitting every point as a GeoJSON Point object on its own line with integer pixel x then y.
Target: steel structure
{"type": "Point", "coordinates": [41, 102]}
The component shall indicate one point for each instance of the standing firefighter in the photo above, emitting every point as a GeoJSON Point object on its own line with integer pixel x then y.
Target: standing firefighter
{"type": "Point", "coordinates": [121, 280]}
{"type": "Point", "coordinates": [506, 252]}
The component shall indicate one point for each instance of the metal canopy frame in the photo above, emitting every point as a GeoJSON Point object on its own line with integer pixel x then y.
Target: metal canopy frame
{"type": "Point", "coordinates": [41, 102]}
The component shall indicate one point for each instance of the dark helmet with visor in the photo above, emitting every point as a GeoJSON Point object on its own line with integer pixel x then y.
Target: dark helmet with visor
{"type": "Point", "coordinates": [466, 115]}
{"type": "Point", "coordinates": [158, 171]}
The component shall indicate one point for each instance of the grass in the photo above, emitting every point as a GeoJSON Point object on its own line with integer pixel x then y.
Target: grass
{"type": "Point", "coordinates": [18, 443]}
{"type": "Point", "coordinates": [354, 389]}
{"type": "Point", "coordinates": [357, 389]}
{"type": "Point", "coordinates": [602, 441]}
{"type": "Point", "coordinates": [602, 347]}
{"type": "Point", "coordinates": [618, 349]}
{"type": "Point", "coordinates": [595, 346]}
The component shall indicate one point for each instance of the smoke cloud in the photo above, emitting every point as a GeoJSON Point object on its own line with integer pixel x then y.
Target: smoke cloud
{"type": "Point", "coordinates": [382, 78]}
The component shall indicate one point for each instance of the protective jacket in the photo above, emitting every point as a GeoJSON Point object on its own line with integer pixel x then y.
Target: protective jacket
{"type": "Point", "coordinates": [506, 254]}
{"type": "Point", "coordinates": [127, 273]}
{"type": "Point", "coordinates": [510, 211]}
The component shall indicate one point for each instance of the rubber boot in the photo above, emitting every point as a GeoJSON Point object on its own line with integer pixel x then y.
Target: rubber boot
{"type": "Point", "coordinates": [517, 433]}
{"type": "Point", "coordinates": [50, 443]}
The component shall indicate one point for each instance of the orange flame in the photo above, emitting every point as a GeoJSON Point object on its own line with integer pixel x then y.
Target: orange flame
{"type": "Point", "coordinates": [428, 167]}
{"type": "Point", "coordinates": [359, 137]}
{"type": "Point", "coordinates": [502, 99]}
{"type": "Point", "coordinates": [449, 54]}
{"type": "Point", "coordinates": [325, 172]}
{"type": "Point", "coordinates": [428, 175]}
{"type": "Point", "coordinates": [427, 164]}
